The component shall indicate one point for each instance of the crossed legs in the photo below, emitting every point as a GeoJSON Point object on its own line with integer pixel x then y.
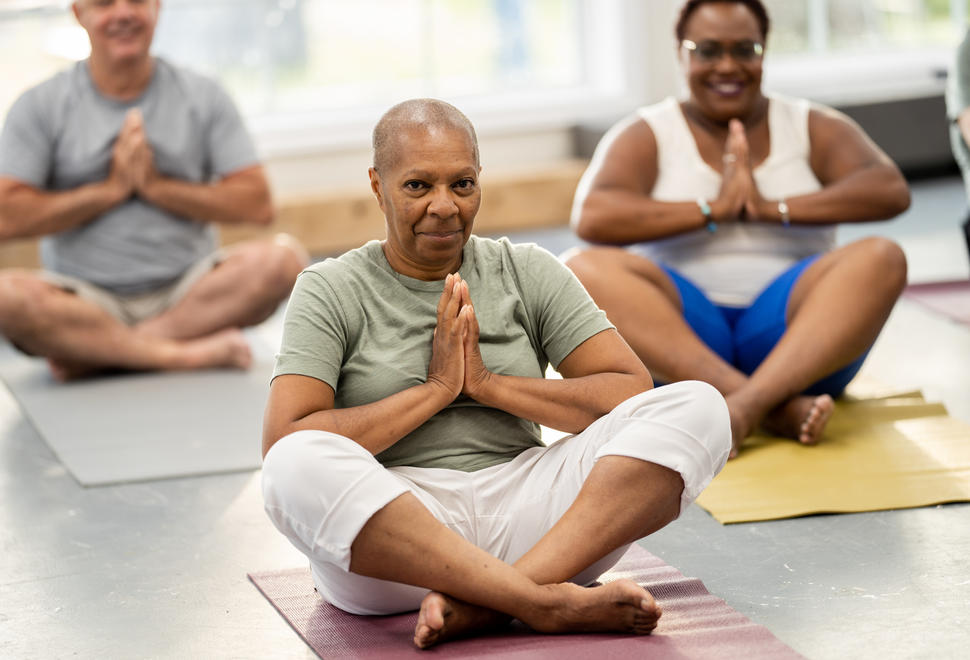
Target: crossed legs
{"type": "Point", "coordinates": [623, 499]}
{"type": "Point", "coordinates": [835, 312]}
{"type": "Point", "coordinates": [201, 330]}
{"type": "Point", "coordinates": [573, 508]}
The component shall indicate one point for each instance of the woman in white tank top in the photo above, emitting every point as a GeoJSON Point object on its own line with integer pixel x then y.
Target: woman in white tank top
{"type": "Point", "coordinates": [725, 208]}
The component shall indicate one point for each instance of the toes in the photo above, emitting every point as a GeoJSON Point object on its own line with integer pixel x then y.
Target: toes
{"type": "Point", "coordinates": [811, 429]}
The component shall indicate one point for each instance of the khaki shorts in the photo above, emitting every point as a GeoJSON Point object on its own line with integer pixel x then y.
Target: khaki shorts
{"type": "Point", "coordinates": [134, 308]}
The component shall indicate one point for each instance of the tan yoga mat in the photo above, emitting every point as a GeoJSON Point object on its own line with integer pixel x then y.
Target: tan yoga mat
{"type": "Point", "coordinates": [880, 450]}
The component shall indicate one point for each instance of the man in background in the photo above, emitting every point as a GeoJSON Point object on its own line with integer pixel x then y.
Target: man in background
{"type": "Point", "coordinates": [124, 163]}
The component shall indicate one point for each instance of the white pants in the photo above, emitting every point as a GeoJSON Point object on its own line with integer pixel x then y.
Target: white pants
{"type": "Point", "coordinates": [320, 488]}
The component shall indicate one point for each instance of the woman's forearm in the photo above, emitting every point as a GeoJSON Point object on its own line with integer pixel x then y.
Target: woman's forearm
{"type": "Point", "coordinates": [376, 426]}
{"type": "Point", "coordinates": [874, 193]}
{"type": "Point", "coordinates": [620, 217]}
{"type": "Point", "coordinates": [568, 404]}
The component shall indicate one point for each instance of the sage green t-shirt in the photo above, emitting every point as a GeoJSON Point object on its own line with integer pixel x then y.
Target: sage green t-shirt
{"type": "Point", "coordinates": [366, 330]}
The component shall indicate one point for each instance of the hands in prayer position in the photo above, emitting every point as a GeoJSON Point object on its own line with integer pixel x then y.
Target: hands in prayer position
{"type": "Point", "coordinates": [456, 360]}
{"type": "Point", "coordinates": [739, 198]}
{"type": "Point", "coordinates": [132, 159]}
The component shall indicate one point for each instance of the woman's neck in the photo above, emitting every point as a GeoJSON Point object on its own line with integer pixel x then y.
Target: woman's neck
{"type": "Point", "coordinates": [425, 272]}
{"type": "Point", "coordinates": [757, 115]}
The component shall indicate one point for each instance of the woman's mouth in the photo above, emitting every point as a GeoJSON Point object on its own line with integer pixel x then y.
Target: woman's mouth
{"type": "Point", "coordinates": [726, 89]}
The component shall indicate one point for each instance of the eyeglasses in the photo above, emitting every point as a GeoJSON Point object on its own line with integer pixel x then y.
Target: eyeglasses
{"type": "Point", "coordinates": [712, 51]}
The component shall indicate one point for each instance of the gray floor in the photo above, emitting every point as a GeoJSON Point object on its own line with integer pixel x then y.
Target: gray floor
{"type": "Point", "coordinates": [158, 570]}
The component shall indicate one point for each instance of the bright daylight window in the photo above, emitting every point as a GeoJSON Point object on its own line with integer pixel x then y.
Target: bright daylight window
{"type": "Point", "coordinates": [821, 26]}
{"type": "Point", "coordinates": [325, 60]}
{"type": "Point", "coordinates": [845, 51]}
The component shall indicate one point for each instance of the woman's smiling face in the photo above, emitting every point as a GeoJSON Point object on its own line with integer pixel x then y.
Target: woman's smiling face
{"type": "Point", "coordinates": [724, 65]}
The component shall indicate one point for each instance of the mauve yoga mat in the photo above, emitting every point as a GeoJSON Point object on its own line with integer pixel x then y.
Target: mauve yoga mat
{"type": "Point", "coordinates": [951, 299]}
{"type": "Point", "coordinates": [694, 624]}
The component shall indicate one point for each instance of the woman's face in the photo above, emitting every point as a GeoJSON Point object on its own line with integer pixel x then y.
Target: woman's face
{"type": "Point", "coordinates": [724, 67]}
{"type": "Point", "coordinates": [430, 195]}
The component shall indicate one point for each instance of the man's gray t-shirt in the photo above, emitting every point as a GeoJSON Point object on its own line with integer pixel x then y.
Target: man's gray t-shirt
{"type": "Point", "coordinates": [366, 330]}
{"type": "Point", "coordinates": [59, 135]}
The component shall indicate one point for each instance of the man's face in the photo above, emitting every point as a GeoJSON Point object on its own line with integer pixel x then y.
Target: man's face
{"type": "Point", "coordinates": [120, 30]}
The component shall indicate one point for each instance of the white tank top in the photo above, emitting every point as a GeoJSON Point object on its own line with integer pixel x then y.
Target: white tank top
{"type": "Point", "coordinates": [735, 263]}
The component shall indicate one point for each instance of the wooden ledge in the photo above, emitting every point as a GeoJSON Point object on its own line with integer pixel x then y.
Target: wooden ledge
{"type": "Point", "coordinates": [331, 223]}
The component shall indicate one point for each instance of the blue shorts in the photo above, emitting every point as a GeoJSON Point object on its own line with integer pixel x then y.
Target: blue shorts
{"type": "Point", "coordinates": [743, 336]}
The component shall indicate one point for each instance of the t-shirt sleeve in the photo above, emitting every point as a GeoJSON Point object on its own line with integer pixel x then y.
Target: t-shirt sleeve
{"type": "Point", "coordinates": [26, 143]}
{"type": "Point", "coordinates": [315, 331]}
{"type": "Point", "coordinates": [229, 144]}
{"type": "Point", "coordinates": [565, 314]}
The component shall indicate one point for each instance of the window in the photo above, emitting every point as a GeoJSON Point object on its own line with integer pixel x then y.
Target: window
{"type": "Point", "coordinates": [821, 26]}
{"type": "Point", "coordinates": [846, 51]}
{"type": "Point", "coordinates": [333, 64]}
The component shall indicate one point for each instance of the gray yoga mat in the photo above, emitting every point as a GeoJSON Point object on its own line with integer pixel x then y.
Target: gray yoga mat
{"type": "Point", "coordinates": [145, 426]}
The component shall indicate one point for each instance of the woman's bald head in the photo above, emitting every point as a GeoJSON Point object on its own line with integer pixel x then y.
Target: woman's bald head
{"type": "Point", "coordinates": [429, 115]}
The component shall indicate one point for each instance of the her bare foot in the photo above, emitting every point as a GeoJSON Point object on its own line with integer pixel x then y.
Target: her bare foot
{"type": "Point", "coordinates": [443, 618]}
{"type": "Point", "coordinates": [802, 417]}
{"type": "Point", "coordinates": [620, 606]}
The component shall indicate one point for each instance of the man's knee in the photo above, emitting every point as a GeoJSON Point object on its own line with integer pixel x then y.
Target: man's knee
{"type": "Point", "coordinates": [24, 297]}
{"type": "Point", "coordinates": [278, 262]}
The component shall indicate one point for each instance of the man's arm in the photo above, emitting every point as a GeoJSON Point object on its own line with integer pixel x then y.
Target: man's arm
{"type": "Point", "coordinates": [242, 197]}
{"type": "Point", "coordinates": [26, 211]}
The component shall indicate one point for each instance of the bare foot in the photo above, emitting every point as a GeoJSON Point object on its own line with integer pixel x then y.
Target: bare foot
{"type": "Point", "coordinates": [803, 418]}
{"type": "Point", "coordinates": [620, 606]}
{"type": "Point", "coordinates": [225, 348]}
{"type": "Point", "coordinates": [443, 618]}
{"type": "Point", "coordinates": [63, 371]}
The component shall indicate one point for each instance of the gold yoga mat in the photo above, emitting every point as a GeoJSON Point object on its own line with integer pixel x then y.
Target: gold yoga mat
{"type": "Point", "coordinates": [880, 450]}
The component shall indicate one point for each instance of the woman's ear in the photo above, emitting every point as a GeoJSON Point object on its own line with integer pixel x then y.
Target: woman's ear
{"type": "Point", "coordinates": [375, 186]}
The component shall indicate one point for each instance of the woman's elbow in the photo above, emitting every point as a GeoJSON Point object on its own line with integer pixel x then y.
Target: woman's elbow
{"type": "Point", "coordinates": [900, 198]}
{"type": "Point", "coordinates": [588, 222]}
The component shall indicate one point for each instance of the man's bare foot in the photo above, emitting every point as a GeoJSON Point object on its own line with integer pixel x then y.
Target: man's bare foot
{"type": "Point", "coordinates": [225, 348]}
{"type": "Point", "coordinates": [63, 371]}
{"type": "Point", "coordinates": [802, 418]}
{"type": "Point", "coordinates": [620, 606]}
{"type": "Point", "coordinates": [443, 618]}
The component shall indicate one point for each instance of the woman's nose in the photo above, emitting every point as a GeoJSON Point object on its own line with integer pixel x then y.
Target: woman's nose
{"type": "Point", "coordinates": [442, 203]}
